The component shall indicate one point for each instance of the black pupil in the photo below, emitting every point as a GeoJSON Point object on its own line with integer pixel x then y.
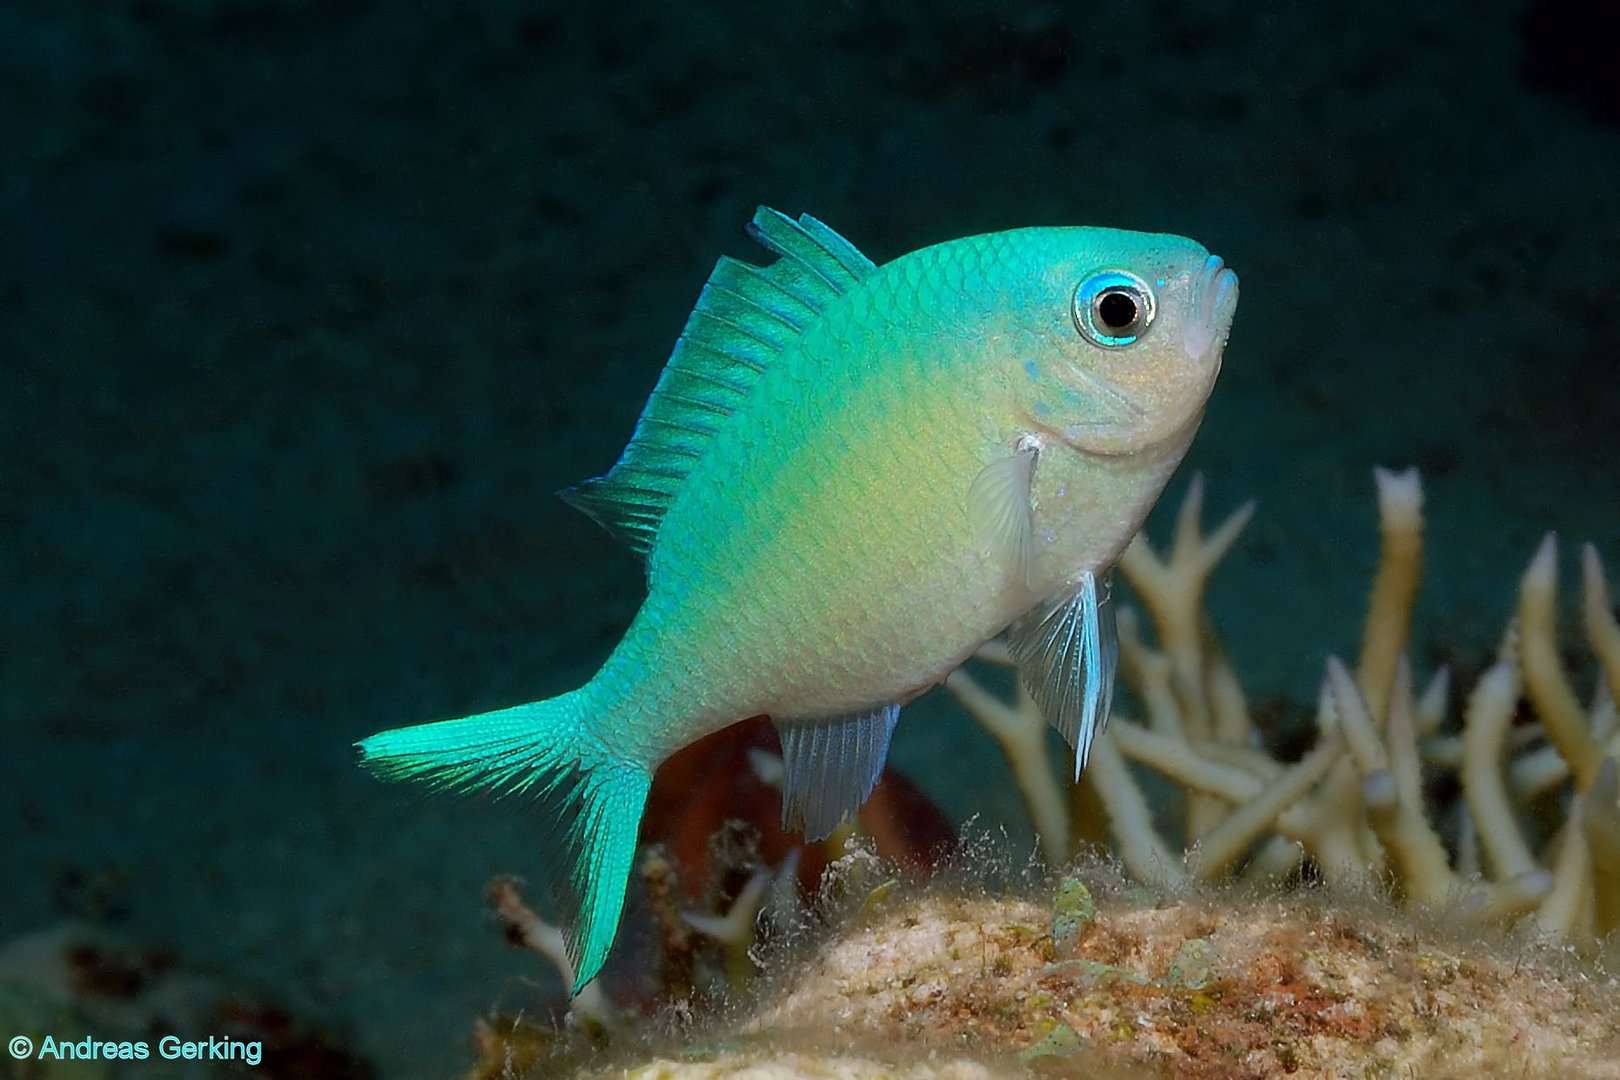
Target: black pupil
{"type": "Point", "coordinates": [1117, 310]}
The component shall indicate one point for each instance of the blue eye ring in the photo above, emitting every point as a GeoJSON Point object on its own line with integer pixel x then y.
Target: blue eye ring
{"type": "Point", "coordinates": [1113, 308]}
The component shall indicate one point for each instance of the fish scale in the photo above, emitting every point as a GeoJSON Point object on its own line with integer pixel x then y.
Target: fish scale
{"type": "Point", "coordinates": [828, 466]}
{"type": "Point", "coordinates": [847, 479]}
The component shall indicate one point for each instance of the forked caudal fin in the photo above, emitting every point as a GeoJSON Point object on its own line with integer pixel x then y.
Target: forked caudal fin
{"type": "Point", "coordinates": [592, 799]}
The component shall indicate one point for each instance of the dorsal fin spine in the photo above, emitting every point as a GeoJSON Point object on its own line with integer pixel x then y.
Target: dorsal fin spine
{"type": "Point", "coordinates": [763, 310]}
{"type": "Point", "coordinates": [848, 255]}
{"type": "Point", "coordinates": [695, 404]}
{"type": "Point", "coordinates": [711, 357]}
{"type": "Point", "coordinates": [675, 425]}
{"type": "Point", "coordinates": [736, 277]}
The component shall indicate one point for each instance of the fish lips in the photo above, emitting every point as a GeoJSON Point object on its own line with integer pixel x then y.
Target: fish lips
{"type": "Point", "coordinates": [1214, 301]}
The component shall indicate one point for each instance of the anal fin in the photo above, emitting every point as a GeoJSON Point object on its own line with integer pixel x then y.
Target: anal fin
{"type": "Point", "coordinates": [832, 766]}
{"type": "Point", "coordinates": [1067, 651]}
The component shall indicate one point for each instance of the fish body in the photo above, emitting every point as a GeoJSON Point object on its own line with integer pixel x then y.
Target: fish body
{"type": "Point", "coordinates": [848, 478]}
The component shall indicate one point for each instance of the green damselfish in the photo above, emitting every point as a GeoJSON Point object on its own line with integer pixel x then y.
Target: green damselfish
{"type": "Point", "coordinates": [848, 478]}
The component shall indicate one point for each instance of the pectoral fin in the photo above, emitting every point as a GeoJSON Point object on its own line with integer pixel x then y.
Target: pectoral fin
{"type": "Point", "coordinates": [832, 766]}
{"type": "Point", "coordinates": [1067, 652]}
{"type": "Point", "coordinates": [1000, 510]}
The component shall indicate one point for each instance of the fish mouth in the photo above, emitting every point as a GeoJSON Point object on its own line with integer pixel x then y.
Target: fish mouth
{"type": "Point", "coordinates": [1214, 298]}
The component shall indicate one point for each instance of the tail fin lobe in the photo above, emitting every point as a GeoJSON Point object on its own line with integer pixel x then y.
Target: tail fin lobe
{"type": "Point", "coordinates": [592, 799]}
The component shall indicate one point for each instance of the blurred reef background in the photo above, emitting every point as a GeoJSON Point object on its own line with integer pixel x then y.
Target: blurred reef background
{"type": "Point", "coordinates": [308, 306]}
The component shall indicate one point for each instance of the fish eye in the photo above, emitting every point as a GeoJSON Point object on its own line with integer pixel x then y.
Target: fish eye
{"type": "Point", "coordinates": [1113, 308]}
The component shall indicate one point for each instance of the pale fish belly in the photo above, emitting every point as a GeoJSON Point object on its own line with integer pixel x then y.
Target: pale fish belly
{"type": "Point", "coordinates": [845, 606]}
{"type": "Point", "coordinates": [825, 637]}
{"type": "Point", "coordinates": [903, 634]}
{"type": "Point", "coordinates": [927, 630]}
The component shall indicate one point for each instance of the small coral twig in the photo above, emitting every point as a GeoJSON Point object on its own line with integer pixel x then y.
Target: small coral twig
{"type": "Point", "coordinates": [1355, 718]}
{"type": "Point", "coordinates": [1602, 629]}
{"type": "Point", "coordinates": [1490, 711]}
{"type": "Point", "coordinates": [1544, 675]}
{"type": "Point", "coordinates": [1394, 803]}
{"type": "Point", "coordinates": [1172, 589]}
{"type": "Point", "coordinates": [784, 908]}
{"type": "Point", "coordinates": [1536, 772]}
{"type": "Point", "coordinates": [1600, 821]}
{"type": "Point", "coordinates": [735, 929]}
{"type": "Point", "coordinates": [1225, 843]}
{"type": "Point", "coordinates": [1430, 711]}
{"type": "Point", "coordinates": [524, 927]}
{"type": "Point", "coordinates": [1560, 913]}
{"type": "Point", "coordinates": [1400, 565]}
{"type": "Point", "coordinates": [1021, 730]}
{"type": "Point", "coordinates": [1508, 900]}
{"type": "Point", "coordinates": [1142, 850]}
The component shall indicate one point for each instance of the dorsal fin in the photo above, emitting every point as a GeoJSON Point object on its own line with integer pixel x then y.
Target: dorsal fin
{"type": "Point", "coordinates": [744, 316]}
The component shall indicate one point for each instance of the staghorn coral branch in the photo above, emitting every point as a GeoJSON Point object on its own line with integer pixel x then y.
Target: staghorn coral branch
{"type": "Point", "coordinates": [1172, 589]}
{"type": "Point", "coordinates": [1218, 849]}
{"type": "Point", "coordinates": [1346, 849]}
{"type": "Point", "coordinates": [1422, 868]}
{"type": "Point", "coordinates": [1560, 913]}
{"type": "Point", "coordinates": [1490, 711]}
{"type": "Point", "coordinates": [1445, 751]}
{"type": "Point", "coordinates": [1602, 630]}
{"type": "Point", "coordinates": [1277, 860]}
{"type": "Point", "coordinates": [1261, 802]}
{"type": "Point", "coordinates": [1227, 702]}
{"type": "Point", "coordinates": [1467, 861]}
{"type": "Point", "coordinates": [1177, 760]}
{"type": "Point", "coordinates": [1581, 889]}
{"type": "Point", "coordinates": [1430, 711]}
{"type": "Point", "coordinates": [1600, 822]}
{"type": "Point", "coordinates": [1360, 705]}
{"type": "Point", "coordinates": [1400, 565]}
{"type": "Point", "coordinates": [1394, 802]}
{"type": "Point", "coordinates": [1544, 676]}
{"type": "Point", "coordinates": [1350, 711]}
{"type": "Point", "coordinates": [1145, 855]}
{"type": "Point", "coordinates": [1401, 738]}
{"type": "Point", "coordinates": [1248, 758]}
{"type": "Point", "coordinates": [1148, 673]}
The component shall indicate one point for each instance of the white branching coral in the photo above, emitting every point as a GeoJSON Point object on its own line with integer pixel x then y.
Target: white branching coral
{"type": "Point", "coordinates": [1354, 804]}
